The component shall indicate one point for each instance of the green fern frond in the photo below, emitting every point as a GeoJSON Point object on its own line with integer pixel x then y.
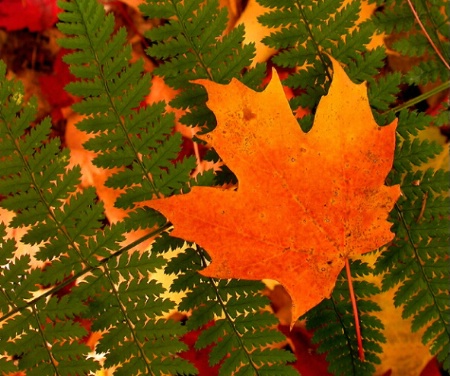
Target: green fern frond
{"type": "Point", "coordinates": [415, 45]}
{"type": "Point", "coordinates": [138, 142]}
{"type": "Point", "coordinates": [35, 190]}
{"type": "Point", "coordinates": [426, 72]}
{"type": "Point", "coordinates": [68, 226]}
{"type": "Point", "coordinates": [136, 337]}
{"type": "Point", "coordinates": [414, 152]}
{"type": "Point", "coordinates": [334, 327]}
{"type": "Point", "coordinates": [392, 22]}
{"type": "Point", "coordinates": [40, 181]}
{"type": "Point", "coordinates": [231, 315]}
{"type": "Point", "coordinates": [382, 93]}
{"type": "Point", "coordinates": [416, 263]}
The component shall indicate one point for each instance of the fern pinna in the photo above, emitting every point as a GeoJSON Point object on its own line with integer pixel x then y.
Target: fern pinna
{"type": "Point", "coordinates": [43, 329]}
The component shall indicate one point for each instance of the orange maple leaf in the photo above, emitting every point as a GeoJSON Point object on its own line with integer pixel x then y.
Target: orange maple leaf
{"type": "Point", "coordinates": [304, 202]}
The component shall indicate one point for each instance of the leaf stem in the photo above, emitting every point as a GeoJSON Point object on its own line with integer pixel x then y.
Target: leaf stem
{"type": "Point", "coordinates": [355, 311]}
{"type": "Point", "coordinates": [416, 16]}
{"type": "Point", "coordinates": [313, 40]}
{"type": "Point", "coordinates": [420, 98]}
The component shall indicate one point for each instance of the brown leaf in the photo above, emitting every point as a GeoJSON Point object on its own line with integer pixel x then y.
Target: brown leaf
{"type": "Point", "coordinates": [304, 202]}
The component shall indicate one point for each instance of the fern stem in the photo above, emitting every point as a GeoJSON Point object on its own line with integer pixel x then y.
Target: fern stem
{"type": "Point", "coordinates": [193, 45]}
{"type": "Point", "coordinates": [120, 120]}
{"type": "Point", "coordinates": [355, 310]}
{"type": "Point", "coordinates": [84, 271]}
{"type": "Point", "coordinates": [313, 39]}
{"type": "Point", "coordinates": [416, 16]}
{"type": "Point", "coordinates": [129, 323]}
{"type": "Point", "coordinates": [344, 328]}
{"type": "Point", "coordinates": [420, 98]}
{"type": "Point", "coordinates": [420, 263]}
{"type": "Point", "coordinates": [44, 340]}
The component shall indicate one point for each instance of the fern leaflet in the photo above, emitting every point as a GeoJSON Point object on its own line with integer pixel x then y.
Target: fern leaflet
{"type": "Point", "coordinates": [137, 143]}
{"type": "Point", "coordinates": [416, 43]}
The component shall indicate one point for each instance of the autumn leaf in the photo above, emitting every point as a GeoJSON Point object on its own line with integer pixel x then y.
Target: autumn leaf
{"type": "Point", "coordinates": [36, 15]}
{"type": "Point", "coordinates": [304, 202]}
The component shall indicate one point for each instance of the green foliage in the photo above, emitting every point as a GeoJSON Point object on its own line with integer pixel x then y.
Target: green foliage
{"type": "Point", "coordinates": [85, 274]}
{"type": "Point", "coordinates": [232, 314]}
{"type": "Point", "coordinates": [35, 183]}
{"type": "Point", "coordinates": [417, 260]}
{"type": "Point", "coordinates": [137, 144]}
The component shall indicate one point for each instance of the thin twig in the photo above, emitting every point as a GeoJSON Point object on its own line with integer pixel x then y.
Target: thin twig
{"type": "Point", "coordinates": [416, 16]}
{"type": "Point", "coordinates": [422, 208]}
{"type": "Point", "coordinates": [420, 98]}
{"type": "Point", "coordinates": [355, 311]}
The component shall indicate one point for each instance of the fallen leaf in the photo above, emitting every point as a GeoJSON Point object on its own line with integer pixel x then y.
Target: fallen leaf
{"type": "Point", "coordinates": [199, 357]}
{"type": "Point", "coordinates": [52, 87]}
{"type": "Point", "coordinates": [36, 15]}
{"type": "Point", "coordinates": [234, 8]}
{"type": "Point", "coordinates": [309, 362]}
{"type": "Point", "coordinates": [133, 3]}
{"type": "Point", "coordinates": [304, 202]}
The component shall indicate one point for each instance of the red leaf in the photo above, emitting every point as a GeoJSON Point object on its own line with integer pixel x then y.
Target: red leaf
{"type": "Point", "coordinates": [199, 357]}
{"type": "Point", "coordinates": [36, 15]}
{"type": "Point", "coordinates": [309, 362]}
{"type": "Point", "coordinates": [52, 86]}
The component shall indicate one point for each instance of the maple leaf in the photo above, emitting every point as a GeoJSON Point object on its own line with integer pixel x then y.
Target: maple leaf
{"type": "Point", "coordinates": [305, 202]}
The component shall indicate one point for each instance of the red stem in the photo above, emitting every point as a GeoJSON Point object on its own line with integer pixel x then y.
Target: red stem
{"type": "Point", "coordinates": [355, 311]}
{"type": "Point", "coordinates": [416, 16]}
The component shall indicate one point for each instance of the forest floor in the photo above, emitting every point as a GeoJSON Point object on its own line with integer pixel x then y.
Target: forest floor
{"type": "Point", "coordinates": [28, 45]}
